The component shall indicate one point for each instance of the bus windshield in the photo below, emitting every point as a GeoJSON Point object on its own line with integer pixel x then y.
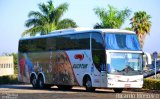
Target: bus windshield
{"type": "Point", "coordinates": [115, 41]}
{"type": "Point", "coordinates": [125, 64]}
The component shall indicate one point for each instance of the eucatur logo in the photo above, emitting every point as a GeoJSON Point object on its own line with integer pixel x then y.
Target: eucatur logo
{"type": "Point", "coordinates": [79, 56]}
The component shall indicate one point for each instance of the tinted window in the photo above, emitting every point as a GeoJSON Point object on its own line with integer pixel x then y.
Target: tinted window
{"type": "Point", "coordinates": [97, 41]}
{"type": "Point", "coordinates": [32, 45]}
{"type": "Point", "coordinates": [65, 42]}
{"type": "Point", "coordinates": [83, 41]}
{"type": "Point", "coordinates": [98, 52]}
{"type": "Point", "coordinates": [50, 43]}
{"type": "Point", "coordinates": [68, 42]}
{"type": "Point", "coordinates": [74, 42]}
{"type": "Point", "coordinates": [23, 46]}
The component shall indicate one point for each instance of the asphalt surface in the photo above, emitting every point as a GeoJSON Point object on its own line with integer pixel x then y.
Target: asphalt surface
{"type": "Point", "coordinates": [27, 92]}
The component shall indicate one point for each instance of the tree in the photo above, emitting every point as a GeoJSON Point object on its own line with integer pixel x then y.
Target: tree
{"type": "Point", "coordinates": [141, 24]}
{"type": "Point", "coordinates": [128, 28]}
{"type": "Point", "coordinates": [111, 18]}
{"type": "Point", "coordinates": [66, 23]}
{"type": "Point", "coordinates": [48, 19]}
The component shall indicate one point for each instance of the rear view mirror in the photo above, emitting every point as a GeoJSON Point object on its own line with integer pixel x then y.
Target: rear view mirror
{"type": "Point", "coordinates": [147, 59]}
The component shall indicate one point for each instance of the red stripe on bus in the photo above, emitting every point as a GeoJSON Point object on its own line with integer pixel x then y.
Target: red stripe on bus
{"type": "Point", "coordinates": [71, 67]}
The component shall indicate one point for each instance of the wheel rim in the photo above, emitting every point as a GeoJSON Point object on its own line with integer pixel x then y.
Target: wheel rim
{"type": "Point", "coordinates": [88, 84]}
{"type": "Point", "coordinates": [34, 81]}
{"type": "Point", "coordinates": [41, 83]}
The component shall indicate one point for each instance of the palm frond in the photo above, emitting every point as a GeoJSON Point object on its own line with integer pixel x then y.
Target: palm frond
{"type": "Point", "coordinates": [59, 11]}
{"type": "Point", "coordinates": [66, 23]}
{"type": "Point", "coordinates": [33, 22]}
{"type": "Point", "coordinates": [32, 31]}
{"type": "Point", "coordinates": [141, 24]}
{"type": "Point", "coordinates": [111, 18]}
{"type": "Point", "coordinates": [44, 8]}
{"type": "Point", "coordinates": [50, 6]}
{"type": "Point", "coordinates": [97, 26]}
{"type": "Point", "coordinates": [47, 20]}
{"type": "Point", "coordinates": [35, 14]}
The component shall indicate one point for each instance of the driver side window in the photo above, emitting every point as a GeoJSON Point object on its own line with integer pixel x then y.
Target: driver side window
{"type": "Point", "coordinates": [98, 51]}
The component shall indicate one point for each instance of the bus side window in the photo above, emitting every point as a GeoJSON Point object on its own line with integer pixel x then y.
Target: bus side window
{"type": "Point", "coordinates": [98, 51]}
{"type": "Point", "coordinates": [83, 41]}
{"type": "Point", "coordinates": [51, 44]}
{"type": "Point", "coordinates": [23, 46]}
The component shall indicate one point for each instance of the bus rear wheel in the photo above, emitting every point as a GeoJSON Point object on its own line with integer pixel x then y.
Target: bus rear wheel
{"type": "Point", "coordinates": [41, 84]}
{"type": "Point", "coordinates": [88, 85]}
{"type": "Point", "coordinates": [118, 90]}
{"type": "Point", "coordinates": [33, 81]}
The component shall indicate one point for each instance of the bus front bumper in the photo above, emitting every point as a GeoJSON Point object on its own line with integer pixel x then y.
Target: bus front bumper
{"type": "Point", "coordinates": [121, 81]}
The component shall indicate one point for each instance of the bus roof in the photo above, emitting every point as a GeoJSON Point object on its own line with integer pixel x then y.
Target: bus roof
{"type": "Point", "coordinates": [80, 30]}
{"type": "Point", "coordinates": [89, 29]}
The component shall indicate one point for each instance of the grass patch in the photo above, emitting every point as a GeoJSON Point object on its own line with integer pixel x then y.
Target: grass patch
{"type": "Point", "coordinates": [152, 84]}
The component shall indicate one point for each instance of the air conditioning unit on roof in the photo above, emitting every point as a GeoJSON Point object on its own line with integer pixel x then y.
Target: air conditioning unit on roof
{"type": "Point", "coordinates": [70, 30]}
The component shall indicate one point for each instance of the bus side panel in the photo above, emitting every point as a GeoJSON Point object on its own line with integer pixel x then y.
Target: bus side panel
{"type": "Point", "coordinates": [25, 67]}
{"type": "Point", "coordinates": [81, 62]}
{"type": "Point", "coordinates": [62, 72]}
{"type": "Point", "coordinates": [56, 67]}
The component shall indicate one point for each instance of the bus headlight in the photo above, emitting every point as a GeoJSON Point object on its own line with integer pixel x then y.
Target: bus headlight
{"type": "Point", "coordinates": [112, 79]}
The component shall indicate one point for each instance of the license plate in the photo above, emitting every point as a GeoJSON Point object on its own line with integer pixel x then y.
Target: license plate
{"type": "Point", "coordinates": [127, 85]}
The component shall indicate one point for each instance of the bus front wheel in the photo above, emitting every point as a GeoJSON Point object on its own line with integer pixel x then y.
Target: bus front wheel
{"type": "Point", "coordinates": [88, 85]}
{"type": "Point", "coordinates": [118, 90]}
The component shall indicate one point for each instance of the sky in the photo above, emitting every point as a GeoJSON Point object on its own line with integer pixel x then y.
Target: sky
{"type": "Point", "coordinates": [14, 13]}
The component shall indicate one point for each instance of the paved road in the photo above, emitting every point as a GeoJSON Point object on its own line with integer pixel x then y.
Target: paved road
{"type": "Point", "coordinates": [27, 92]}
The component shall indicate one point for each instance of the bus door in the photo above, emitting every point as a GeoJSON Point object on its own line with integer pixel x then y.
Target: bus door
{"type": "Point", "coordinates": [99, 59]}
{"type": "Point", "coordinates": [103, 76]}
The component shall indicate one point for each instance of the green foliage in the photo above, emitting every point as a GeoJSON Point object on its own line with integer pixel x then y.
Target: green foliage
{"type": "Point", "coordinates": [141, 24]}
{"type": "Point", "coordinates": [15, 60]}
{"type": "Point", "coordinates": [47, 19]}
{"type": "Point", "coordinates": [128, 28]}
{"type": "Point", "coordinates": [111, 18]}
{"type": "Point", "coordinates": [66, 23]}
{"type": "Point", "coordinates": [12, 79]}
{"type": "Point", "coordinates": [151, 84]}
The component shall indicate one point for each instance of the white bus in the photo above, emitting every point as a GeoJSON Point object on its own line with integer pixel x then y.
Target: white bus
{"type": "Point", "coordinates": [93, 58]}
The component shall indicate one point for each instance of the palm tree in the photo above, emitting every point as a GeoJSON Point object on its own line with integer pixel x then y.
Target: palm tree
{"type": "Point", "coordinates": [141, 24]}
{"type": "Point", "coordinates": [66, 23]}
{"type": "Point", "coordinates": [111, 18]}
{"type": "Point", "coordinates": [48, 19]}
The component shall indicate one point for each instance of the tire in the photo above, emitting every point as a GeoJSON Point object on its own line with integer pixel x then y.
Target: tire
{"type": "Point", "coordinates": [88, 85]}
{"type": "Point", "coordinates": [64, 87]}
{"type": "Point", "coordinates": [41, 84]}
{"type": "Point", "coordinates": [33, 81]}
{"type": "Point", "coordinates": [118, 90]}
